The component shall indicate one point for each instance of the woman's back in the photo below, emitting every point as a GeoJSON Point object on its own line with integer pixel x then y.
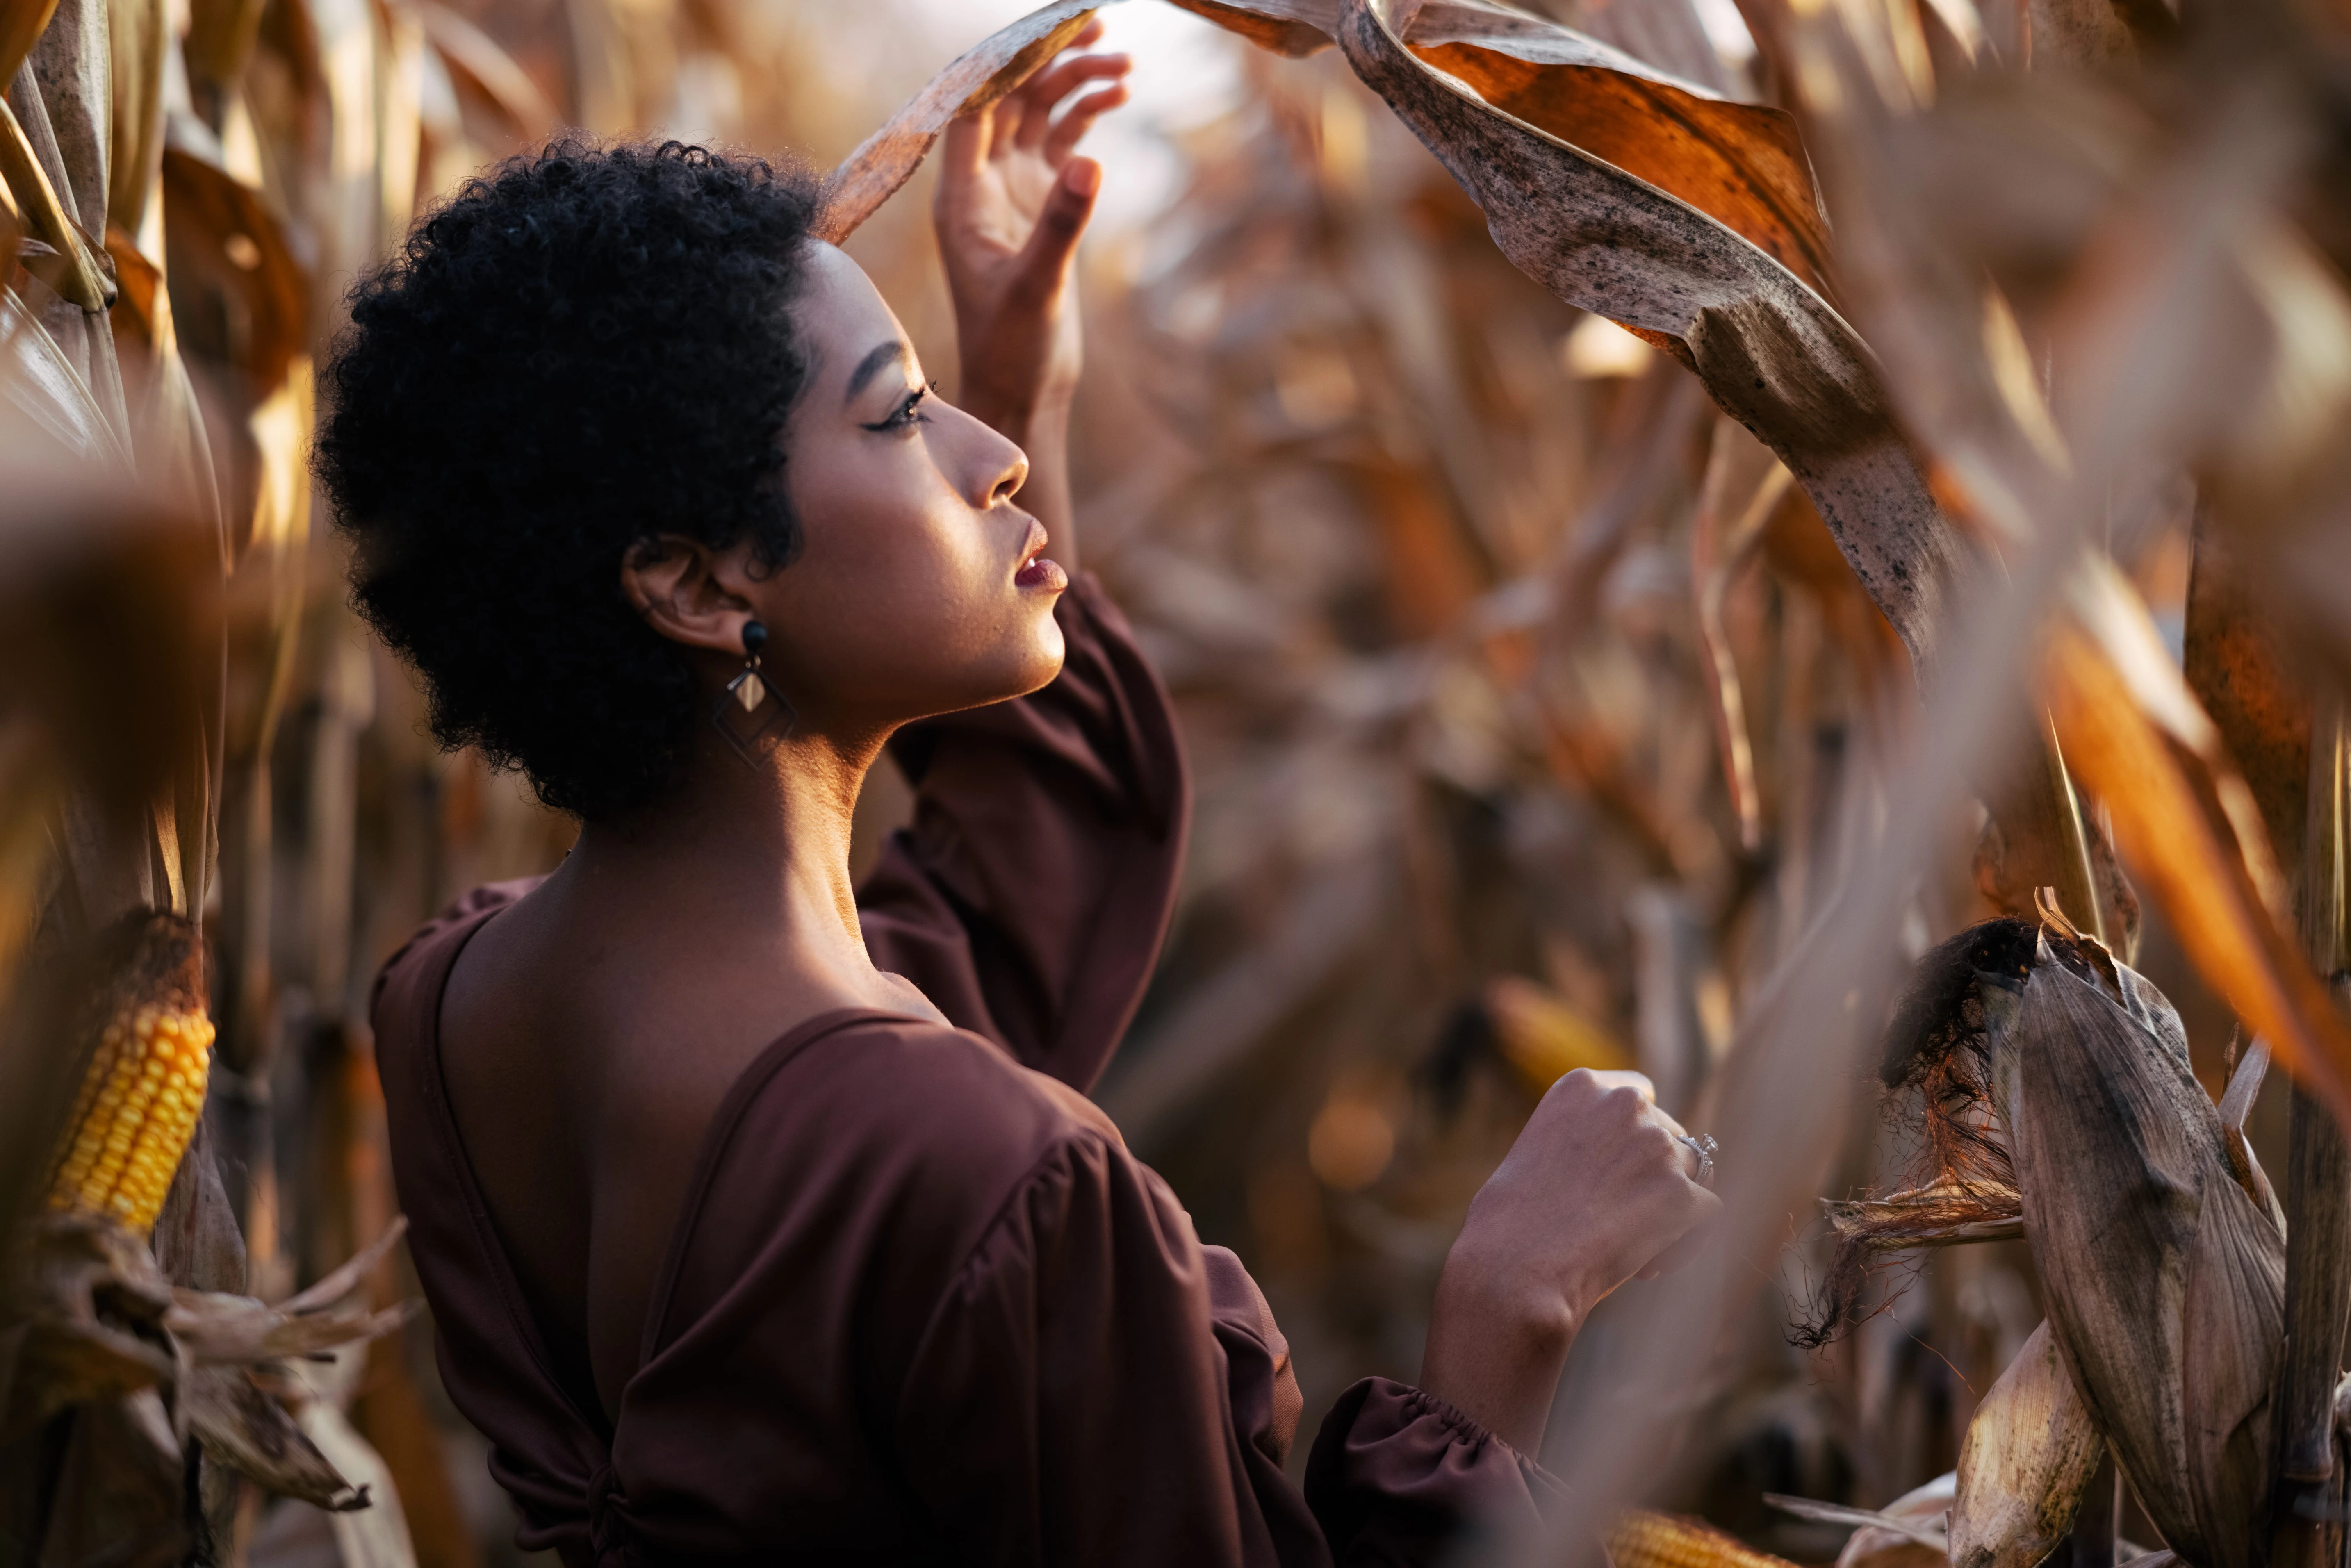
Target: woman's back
{"type": "Point", "coordinates": [588, 1039]}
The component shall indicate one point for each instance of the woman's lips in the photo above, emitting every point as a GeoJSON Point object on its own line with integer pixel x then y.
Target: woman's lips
{"type": "Point", "coordinates": [1036, 570]}
{"type": "Point", "coordinates": [1042, 571]}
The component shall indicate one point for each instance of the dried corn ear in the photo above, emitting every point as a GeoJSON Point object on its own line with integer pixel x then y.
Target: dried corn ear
{"type": "Point", "coordinates": [2029, 1455]}
{"type": "Point", "coordinates": [1640, 1539]}
{"type": "Point", "coordinates": [2164, 1283]}
{"type": "Point", "coordinates": [144, 1087]}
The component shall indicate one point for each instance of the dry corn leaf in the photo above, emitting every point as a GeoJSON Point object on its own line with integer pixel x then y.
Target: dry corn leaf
{"type": "Point", "coordinates": [138, 45]}
{"type": "Point", "coordinates": [49, 395]}
{"type": "Point", "coordinates": [2240, 668]}
{"type": "Point", "coordinates": [2164, 1285]}
{"type": "Point", "coordinates": [250, 1432]}
{"type": "Point", "coordinates": [214, 1327]}
{"type": "Point", "coordinates": [1292, 28]}
{"type": "Point", "coordinates": [994, 66]}
{"type": "Point", "coordinates": [1769, 350]}
{"type": "Point", "coordinates": [2187, 826]}
{"type": "Point", "coordinates": [1742, 164]}
{"type": "Point", "coordinates": [77, 274]}
{"type": "Point", "coordinates": [1742, 491]}
{"type": "Point", "coordinates": [21, 24]}
{"type": "Point", "coordinates": [226, 238]}
{"type": "Point", "coordinates": [121, 1496]}
{"type": "Point", "coordinates": [1914, 1528]}
{"type": "Point", "coordinates": [94, 1302]}
{"type": "Point", "coordinates": [2028, 1455]}
{"type": "Point", "coordinates": [1911, 1531]}
{"type": "Point", "coordinates": [475, 57]}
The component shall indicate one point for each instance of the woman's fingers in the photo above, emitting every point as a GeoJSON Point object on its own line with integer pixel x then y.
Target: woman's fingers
{"type": "Point", "coordinates": [1045, 260]}
{"type": "Point", "coordinates": [1044, 92]}
{"type": "Point", "coordinates": [1071, 127]}
{"type": "Point", "coordinates": [1624, 1078]}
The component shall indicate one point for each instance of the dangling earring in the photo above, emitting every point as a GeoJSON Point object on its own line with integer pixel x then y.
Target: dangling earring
{"type": "Point", "coordinates": [749, 708]}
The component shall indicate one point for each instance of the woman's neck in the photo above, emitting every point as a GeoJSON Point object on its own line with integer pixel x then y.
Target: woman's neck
{"type": "Point", "coordinates": [750, 851]}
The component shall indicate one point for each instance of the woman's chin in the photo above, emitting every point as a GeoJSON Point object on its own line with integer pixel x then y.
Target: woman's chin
{"type": "Point", "coordinates": [1046, 651]}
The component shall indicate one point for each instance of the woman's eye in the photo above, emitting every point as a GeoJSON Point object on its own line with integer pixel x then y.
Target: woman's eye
{"type": "Point", "coordinates": [909, 413]}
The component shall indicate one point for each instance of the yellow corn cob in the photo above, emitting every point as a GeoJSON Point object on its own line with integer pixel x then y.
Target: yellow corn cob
{"type": "Point", "coordinates": [140, 1100]}
{"type": "Point", "coordinates": [1640, 1539]}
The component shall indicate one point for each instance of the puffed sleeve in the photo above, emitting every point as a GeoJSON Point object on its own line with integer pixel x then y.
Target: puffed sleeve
{"type": "Point", "coordinates": [1095, 1387]}
{"type": "Point", "coordinates": [1029, 898]}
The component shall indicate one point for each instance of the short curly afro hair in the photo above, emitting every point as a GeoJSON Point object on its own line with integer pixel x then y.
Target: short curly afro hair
{"type": "Point", "coordinates": [586, 347]}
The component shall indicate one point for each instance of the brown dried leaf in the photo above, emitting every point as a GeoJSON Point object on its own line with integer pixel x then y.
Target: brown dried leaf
{"type": "Point", "coordinates": [239, 248]}
{"type": "Point", "coordinates": [990, 68]}
{"type": "Point", "coordinates": [138, 44]}
{"type": "Point", "coordinates": [77, 274]}
{"type": "Point", "coordinates": [1695, 282]}
{"type": "Point", "coordinates": [1292, 28]}
{"type": "Point", "coordinates": [218, 1329]}
{"type": "Point", "coordinates": [251, 1433]}
{"type": "Point", "coordinates": [2238, 667]}
{"type": "Point", "coordinates": [50, 400]}
{"type": "Point", "coordinates": [1742, 164]}
{"type": "Point", "coordinates": [475, 57]}
{"type": "Point", "coordinates": [2189, 827]}
{"type": "Point", "coordinates": [332, 1286]}
{"type": "Point", "coordinates": [95, 1305]}
{"type": "Point", "coordinates": [1743, 489]}
{"type": "Point", "coordinates": [2028, 1455]}
{"type": "Point", "coordinates": [120, 1494]}
{"type": "Point", "coordinates": [1769, 350]}
{"type": "Point", "coordinates": [1925, 1530]}
{"type": "Point", "coordinates": [21, 24]}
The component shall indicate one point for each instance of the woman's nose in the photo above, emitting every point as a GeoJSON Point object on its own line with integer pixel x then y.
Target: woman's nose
{"type": "Point", "coordinates": [1015, 475]}
{"type": "Point", "coordinates": [994, 467]}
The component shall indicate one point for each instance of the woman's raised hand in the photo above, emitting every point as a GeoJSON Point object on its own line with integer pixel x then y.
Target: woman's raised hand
{"type": "Point", "coordinates": [1013, 198]}
{"type": "Point", "coordinates": [1596, 1191]}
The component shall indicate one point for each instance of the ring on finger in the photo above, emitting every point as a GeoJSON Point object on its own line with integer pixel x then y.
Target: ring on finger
{"type": "Point", "coordinates": [1705, 1148]}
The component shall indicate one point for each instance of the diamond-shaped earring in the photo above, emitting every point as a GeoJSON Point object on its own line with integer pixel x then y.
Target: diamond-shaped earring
{"type": "Point", "coordinates": [748, 709]}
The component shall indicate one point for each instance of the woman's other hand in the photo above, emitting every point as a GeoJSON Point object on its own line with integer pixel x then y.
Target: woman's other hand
{"type": "Point", "coordinates": [1013, 198]}
{"type": "Point", "coordinates": [1596, 1191]}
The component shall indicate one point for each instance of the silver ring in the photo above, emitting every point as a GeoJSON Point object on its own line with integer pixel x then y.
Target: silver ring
{"type": "Point", "coordinates": [1705, 1148]}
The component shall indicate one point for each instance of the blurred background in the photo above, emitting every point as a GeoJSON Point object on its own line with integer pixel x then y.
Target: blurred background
{"type": "Point", "coordinates": [1531, 729]}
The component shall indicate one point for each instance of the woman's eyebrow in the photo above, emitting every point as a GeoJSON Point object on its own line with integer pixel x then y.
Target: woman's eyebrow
{"type": "Point", "coordinates": [872, 363]}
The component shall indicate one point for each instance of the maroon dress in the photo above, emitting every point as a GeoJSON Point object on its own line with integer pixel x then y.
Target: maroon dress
{"type": "Point", "coordinates": [920, 1305]}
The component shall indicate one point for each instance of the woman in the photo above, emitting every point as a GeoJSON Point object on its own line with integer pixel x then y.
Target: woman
{"type": "Point", "coordinates": [764, 1217]}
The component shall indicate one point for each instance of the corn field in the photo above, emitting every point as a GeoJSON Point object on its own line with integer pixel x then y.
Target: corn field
{"type": "Point", "coordinates": [1805, 551]}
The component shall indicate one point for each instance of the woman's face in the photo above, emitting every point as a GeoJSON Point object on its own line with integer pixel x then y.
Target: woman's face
{"type": "Point", "coordinates": [920, 588]}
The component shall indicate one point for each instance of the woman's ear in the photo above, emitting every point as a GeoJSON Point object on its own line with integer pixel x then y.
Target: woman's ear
{"type": "Point", "coordinates": [679, 586]}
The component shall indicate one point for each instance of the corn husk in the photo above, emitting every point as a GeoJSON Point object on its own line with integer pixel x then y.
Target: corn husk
{"type": "Point", "coordinates": [2164, 1283]}
{"type": "Point", "coordinates": [2030, 1453]}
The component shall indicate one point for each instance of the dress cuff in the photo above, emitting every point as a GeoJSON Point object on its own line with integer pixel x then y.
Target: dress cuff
{"type": "Point", "coordinates": [1398, 1476]}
